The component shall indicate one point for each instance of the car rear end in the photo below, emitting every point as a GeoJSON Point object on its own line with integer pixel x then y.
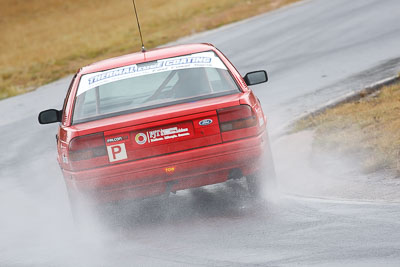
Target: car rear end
{"type": "Point", "coordinates": [167, 138]}
{"type": "Point", "coordinates": [133, 161]}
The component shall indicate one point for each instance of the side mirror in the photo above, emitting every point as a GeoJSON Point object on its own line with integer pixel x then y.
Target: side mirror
{"type": "Point", "coordinates": [256, 77]}
{"type": "Point", "coordinates": [49, 116]}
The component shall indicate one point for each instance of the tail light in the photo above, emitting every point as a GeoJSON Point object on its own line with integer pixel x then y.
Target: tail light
{"type": "Point", "coordinates": [87, 147]}
{"type": "Point", "coordinates": [235, 118]}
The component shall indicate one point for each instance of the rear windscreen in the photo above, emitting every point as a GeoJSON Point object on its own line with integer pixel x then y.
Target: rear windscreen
{"type": "Point", "coordinates": [150, 85]}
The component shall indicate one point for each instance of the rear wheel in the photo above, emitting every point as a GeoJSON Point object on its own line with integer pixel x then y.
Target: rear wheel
{"type": "Point", "coordinates": [254, 185]}
{"type": "Point", "coordinates": [260, 184]}
{"type": "Point", "coordinates": [263, 182]}
{"type": "Point", "coordinates": [82, 212]}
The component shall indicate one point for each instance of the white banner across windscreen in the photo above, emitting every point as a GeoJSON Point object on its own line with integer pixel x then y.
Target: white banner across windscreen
{"type": "Point", "coordinates": [199, 60]}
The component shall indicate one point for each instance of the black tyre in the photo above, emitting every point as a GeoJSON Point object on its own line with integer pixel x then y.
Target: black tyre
{"type": "Point", "coordinates": [263, 182]}
{"type": "Point", "coordinates": [82, 212]}
{"type": "Point", "coordinates": [260, 184]}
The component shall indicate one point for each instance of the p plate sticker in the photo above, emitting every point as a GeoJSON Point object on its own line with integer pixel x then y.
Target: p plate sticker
{"type": "Point", "coordinates": [205, 122]}
{"type": "Point", "coordinates": [117, 152]}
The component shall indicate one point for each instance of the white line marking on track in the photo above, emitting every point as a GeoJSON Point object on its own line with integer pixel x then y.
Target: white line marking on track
{"type": "Point", "coordinates": [340, 200]}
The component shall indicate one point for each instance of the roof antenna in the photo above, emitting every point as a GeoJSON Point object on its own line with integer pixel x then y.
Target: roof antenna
{"type": "Point", "coordinates": [140, 32]}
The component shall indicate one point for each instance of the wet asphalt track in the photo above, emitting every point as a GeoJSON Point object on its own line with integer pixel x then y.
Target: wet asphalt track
{"type": "Point", "coordinates": [314, 52]}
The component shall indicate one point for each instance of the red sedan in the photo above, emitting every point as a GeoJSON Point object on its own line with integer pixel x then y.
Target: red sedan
{"type": "Point", "coordinates": [159, 121]}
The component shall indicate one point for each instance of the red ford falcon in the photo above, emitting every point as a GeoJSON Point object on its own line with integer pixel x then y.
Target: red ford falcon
{"type": "Point", "coordinates": [159, 121]}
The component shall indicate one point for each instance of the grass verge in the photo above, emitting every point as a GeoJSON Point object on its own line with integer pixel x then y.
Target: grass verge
{"type": "Point", "coordinates": [368, 129]}
{"type": "Point", "coordinates": [44, 40]}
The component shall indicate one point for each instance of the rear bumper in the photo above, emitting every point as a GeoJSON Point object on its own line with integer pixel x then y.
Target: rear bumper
{"type": "Point", "coordinates": [177, 171]}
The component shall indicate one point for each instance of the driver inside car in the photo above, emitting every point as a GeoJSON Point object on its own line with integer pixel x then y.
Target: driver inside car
{"type": "Point", "coordinates": [192, 82]}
